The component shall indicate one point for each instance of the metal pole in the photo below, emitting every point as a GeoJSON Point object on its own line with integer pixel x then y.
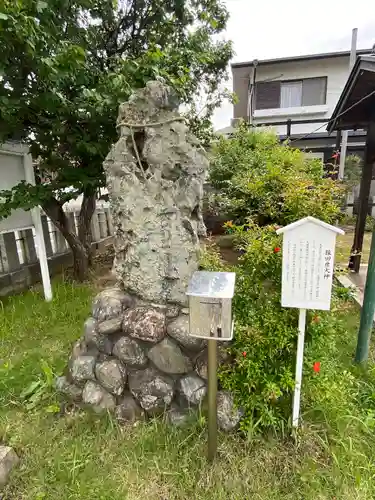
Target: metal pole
{"type": "Point", "coordinates": [212, 403]}
{"type": "Point", "coordinates": [299, 365]}
{"type": "Point", "coordinates": [368, 309]}
{"type": "Point", "coordinates": [344, 142]}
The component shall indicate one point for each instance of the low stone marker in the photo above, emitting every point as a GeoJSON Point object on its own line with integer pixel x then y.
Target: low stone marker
{"type": "Point", "coordinates": [8, 460]}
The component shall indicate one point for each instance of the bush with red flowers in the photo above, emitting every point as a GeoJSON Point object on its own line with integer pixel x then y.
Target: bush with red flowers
{"type": "Point", "coordinates": [261, 376]}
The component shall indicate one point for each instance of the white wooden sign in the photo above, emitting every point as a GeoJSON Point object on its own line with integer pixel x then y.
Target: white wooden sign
{"type": "Point", "coordinates": [308, 260]}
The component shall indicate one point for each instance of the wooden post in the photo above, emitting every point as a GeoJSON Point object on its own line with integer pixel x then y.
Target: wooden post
{"type": "Point", "coordinates": [364, 194]}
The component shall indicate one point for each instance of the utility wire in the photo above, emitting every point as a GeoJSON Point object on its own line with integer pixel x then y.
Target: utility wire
{"type": "Point", "coordinates": [333, 119]}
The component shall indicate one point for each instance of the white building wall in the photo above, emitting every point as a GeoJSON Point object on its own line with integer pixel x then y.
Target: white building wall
{"type": "Point", "coordinates": [335, 69]}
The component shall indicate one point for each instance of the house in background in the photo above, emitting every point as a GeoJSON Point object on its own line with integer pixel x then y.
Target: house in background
{"type": "Point", "coordinates": [296, 96]}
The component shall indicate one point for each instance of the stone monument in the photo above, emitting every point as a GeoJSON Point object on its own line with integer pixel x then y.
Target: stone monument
{"type": "Point", "coordinates": [136, 356]}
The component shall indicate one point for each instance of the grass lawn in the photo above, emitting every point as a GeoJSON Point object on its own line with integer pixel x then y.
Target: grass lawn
{"type": "Point", "coordinates": [344, 244]}
{"type": "Point", "coordinates": [81, 456]}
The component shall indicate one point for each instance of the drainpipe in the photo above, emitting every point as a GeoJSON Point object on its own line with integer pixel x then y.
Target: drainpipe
{"type": "Point", "coordinates": [251, 93]}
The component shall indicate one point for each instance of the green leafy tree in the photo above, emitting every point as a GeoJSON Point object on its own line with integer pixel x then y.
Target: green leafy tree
{"type": "Point", "coordinates": [259, 178]}
{"type": "Point", "coordinates": [65, 68]}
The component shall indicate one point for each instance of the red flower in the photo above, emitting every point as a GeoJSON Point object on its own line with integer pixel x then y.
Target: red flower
{"type": "Point", "coordinates": [316, 366]}
{"type": "Point", "coordinates": [244, 354]}
{"type": "Point", "coordinates": [276, 250]}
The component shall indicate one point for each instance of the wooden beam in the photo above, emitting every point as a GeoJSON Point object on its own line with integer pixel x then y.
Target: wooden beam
{"type": "Point", "coordinates": [364, 194]}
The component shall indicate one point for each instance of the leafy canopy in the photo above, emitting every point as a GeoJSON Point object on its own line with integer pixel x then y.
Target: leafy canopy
{"type": "Point", "coordinates": [269, 182]}
{"type": "Point", "coordinates": [66, 66]}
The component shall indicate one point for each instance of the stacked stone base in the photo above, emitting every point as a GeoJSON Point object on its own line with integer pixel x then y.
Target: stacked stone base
{"type": "Point", "coordinates": [138, 360]}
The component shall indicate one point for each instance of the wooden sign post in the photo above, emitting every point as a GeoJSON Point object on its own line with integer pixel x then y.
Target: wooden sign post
{"type": "Point", "coordinates": [307, 271]}
{"type": "Point", "coordinates": [210, 317]}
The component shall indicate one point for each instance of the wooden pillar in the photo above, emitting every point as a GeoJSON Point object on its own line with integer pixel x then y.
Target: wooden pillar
{"type": "Point", "coordinates": [364, 194]}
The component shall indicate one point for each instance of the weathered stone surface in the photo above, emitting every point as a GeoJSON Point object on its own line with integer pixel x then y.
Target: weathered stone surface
{"type": "Point", "coordinates": [153, 390]}
{"type": "Point", "coordinates": [192, 388]}
{"type": "Point", "coordinates": [68, 389]}
{"type": "Point", "coordinates": [128, 410]}
{"type": "Point", "coordinates": [110, 326]}
{"type": "Point", "coordinates": [130, 352]}
{"type": "Point", "coordinates": [156, 202]}
{"type": "Point", "coordinates": [110, 304]}
{"type": "Point", "coordinates": [8, 460]}
{"type": "Point", "coordinates": [201, 362]}
{"type": "Point", "coordinates": [179, 330]}
{"type": "Point", "coordinates": [168, 357]}
{"type": "Point", "coordinates": [144, 323]}
{"type": "Point", "coordinates": [94, 340]}
{"type": "Point", "coordinates": [185, 310]}
{"type": "Point", "coordinates": [172, 311]}
{"type": "Point", "coordinates": [111, 374]}
{"type": "Point", "coordinates": [228, 417]}
{"type": "Point", "coordinates": [101, 400]}
{"type": "Point", "coordinates": [178, 416]}
{"type": "Point", "coordinates": [82, 368]}
{"type": "Point", "coordinates": [201, 365]}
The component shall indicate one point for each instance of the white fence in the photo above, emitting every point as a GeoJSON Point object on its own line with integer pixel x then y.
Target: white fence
{"type": "Point", "coordinates": [18, 248]}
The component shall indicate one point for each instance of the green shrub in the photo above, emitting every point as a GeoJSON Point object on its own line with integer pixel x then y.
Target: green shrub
{"type": "Point", "coordinates": [263, 351]}
{"type": "Point", "coordinates": [270, 182]}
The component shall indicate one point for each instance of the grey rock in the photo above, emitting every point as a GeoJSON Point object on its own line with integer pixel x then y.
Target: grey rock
{"type": "Point", "coordinates": [130, 352]}
{"type": "Point", "coordinates": [94, 340]}
{"type": "Point", "coordinates": [112, 376]}
{"type": "Point", "coordinates": [110, 304]}
{"type": "Point", "coordinates": [228, 416]}
{"type": "Point", "coordinates": [156, 206]}
{"type": "Point", "coordinates": [89, 327]}
{"type": "Point", "coordinates": [201, 362]}
{"type": "Point", "coordinates": [97, 397]}
{"type": "Point", "coordinates": [168, 357]}
{"type": "Point", "coordinates": [128, 410]}
{"type": "Point", "coordinates": [172, 311]}
{"type": "Point", "coordinates": [70, 390]}
{"type": "Point", "coordinates": [201, 365]}
{"type": "Point", "coordinates": [8, 460]}
{"type": "Point", "coordinates": [153, 390]}
{"type": "Point", "coordinates": [79, 349]}
{"type": "Point", "coordinates": [144, 323]}
{"type": "Point", "coordinates": [192, 388]}
{"type": "Point", "coordinates": [82, 368]}
{"type": "Point", "coordinates": [178, 416]}
{"type": "Point", "coordinates": [110, 326]}
{"type": "Point", "coordinates": [179, 330]}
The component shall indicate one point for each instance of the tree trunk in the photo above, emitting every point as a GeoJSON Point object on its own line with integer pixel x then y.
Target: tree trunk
{"type": "Point", "coordinates": [84, 221]}
{"type": "Point", "coordinates": [81, 259]}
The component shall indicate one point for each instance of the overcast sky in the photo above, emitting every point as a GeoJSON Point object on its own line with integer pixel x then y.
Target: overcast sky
{"type": "Point", "coordinates": [265, 29]}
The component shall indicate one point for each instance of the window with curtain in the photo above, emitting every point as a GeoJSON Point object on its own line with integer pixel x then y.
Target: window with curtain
{"type": "Point", "coordinates": [290, 94]}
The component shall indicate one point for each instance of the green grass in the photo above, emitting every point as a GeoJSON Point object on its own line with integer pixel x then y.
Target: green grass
{"type": "Point", "coordinates": [80, 456]}
{"type": "Point", "coordinates": [344, 245]}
